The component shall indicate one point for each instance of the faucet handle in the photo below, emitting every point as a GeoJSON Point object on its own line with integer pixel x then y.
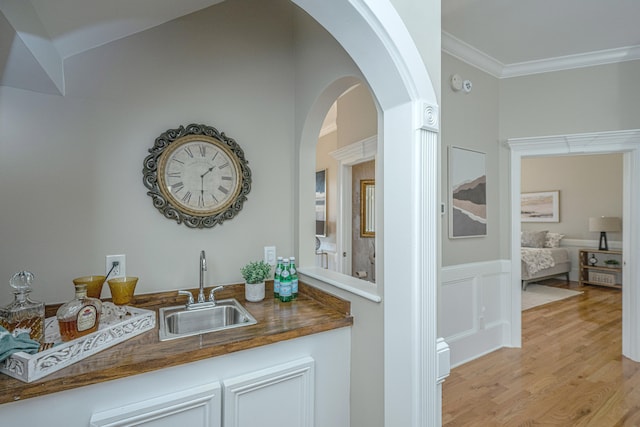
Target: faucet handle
{"type": "Point", "coordinates": [188, 294]}
{"type": "Point", "coordinates": [211, 292]}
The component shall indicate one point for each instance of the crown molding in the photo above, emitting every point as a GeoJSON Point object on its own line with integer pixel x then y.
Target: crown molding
{"type": "Point", "coordinates": [357, 152]}
{"type": "Point", "coordinates": [569, 62]}
{"type": "Point", "coordinates": [472, 56]}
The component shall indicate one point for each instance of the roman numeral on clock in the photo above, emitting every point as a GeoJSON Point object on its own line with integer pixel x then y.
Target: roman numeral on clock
{"type": "Point", "coordinates": [177, 187]}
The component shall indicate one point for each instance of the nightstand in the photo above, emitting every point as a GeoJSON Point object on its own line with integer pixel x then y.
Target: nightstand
{"type": "Point", "coordinates": [601, 268]}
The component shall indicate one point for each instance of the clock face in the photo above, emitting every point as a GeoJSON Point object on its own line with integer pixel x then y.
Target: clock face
{"type": "Point", "coordinates": [199, 175]}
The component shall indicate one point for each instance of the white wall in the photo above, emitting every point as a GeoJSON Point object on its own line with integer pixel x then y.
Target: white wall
{"type": "Point", "coordinates": [471, 122]}
{"type": "Point", "coordinates": [589, 186]}
{"type": "Point", "coordinates": [357, 116]}
{"type": "Point", "coordinates": [591, 99]}
{"type": "Point", "coordinates": [72, 165]}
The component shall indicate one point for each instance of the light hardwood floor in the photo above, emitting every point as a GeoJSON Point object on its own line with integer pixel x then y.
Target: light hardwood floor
{"type": "Point", "coordinates": [569, 371]}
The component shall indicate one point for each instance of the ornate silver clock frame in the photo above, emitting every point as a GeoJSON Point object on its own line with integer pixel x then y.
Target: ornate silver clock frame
{"type": "Point", "coordinates": [198, 155]}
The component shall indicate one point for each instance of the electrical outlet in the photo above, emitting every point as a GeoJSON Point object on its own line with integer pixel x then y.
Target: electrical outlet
{"type": "Point", "coordinates": [270, 255]}
{"type": "Point", "coordinates": [119, 270]}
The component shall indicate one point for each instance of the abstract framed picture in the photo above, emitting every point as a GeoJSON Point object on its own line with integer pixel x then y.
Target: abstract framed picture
{"type": "Point", "coordinates": [542, 206]}
{"type": "Point", "coordinates": [467, 193]}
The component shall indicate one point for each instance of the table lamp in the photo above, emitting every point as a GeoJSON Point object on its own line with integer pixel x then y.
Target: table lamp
{"type": "Point", "coordinates": [604, 224]}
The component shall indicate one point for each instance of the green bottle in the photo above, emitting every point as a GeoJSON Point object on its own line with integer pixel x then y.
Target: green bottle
{"type": "Point", "coordinates": [294, 277]}
{"type": "Point", "coordinates": [276, 278]}
{"type": "Point", "coordinates": [285, 282]}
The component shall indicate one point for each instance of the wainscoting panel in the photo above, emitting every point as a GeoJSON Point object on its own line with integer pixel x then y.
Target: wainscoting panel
{"type": "Point", "coordinates": [473, 312]}
{"type": "Point", "coordinates": [462, 320]}
{"type": "Point", "coordinates": [493, 299]}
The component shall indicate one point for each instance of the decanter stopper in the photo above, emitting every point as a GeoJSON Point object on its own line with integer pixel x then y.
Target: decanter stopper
{"type": "Point", "coordinates": [21, 282]}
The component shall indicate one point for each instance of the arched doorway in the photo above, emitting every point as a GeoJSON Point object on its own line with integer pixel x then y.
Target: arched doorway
{"type": "Point", "coordinates": [377, 41]}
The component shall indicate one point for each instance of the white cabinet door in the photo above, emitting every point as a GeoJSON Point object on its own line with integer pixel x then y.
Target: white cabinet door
{"type": "Point", "coordinates": [196, 407]}
{"type": "Point", "coordinates": [281, 396]}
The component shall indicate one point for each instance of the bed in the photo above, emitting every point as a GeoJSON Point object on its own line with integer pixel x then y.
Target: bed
{"type": "Point", "coordinates": [542, 258]}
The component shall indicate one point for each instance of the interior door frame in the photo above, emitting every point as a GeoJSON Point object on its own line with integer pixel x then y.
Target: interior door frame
{"type": "Point", "coordinates": [353, 154]}
{"type": "Point", "coordinates": [624, 141]}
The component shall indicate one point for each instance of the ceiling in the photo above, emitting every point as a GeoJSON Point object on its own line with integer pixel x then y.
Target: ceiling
{"type": "Point", "coordinates": [507, 38]}
{"type": "Point", "coordinates": [502, 37]}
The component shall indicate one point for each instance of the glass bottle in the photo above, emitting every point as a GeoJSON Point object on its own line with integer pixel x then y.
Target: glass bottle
{"type": "Point", "coordinates": [276, 278]}
{"type": "Point", "coordinates": [294, 277]}
{"type": "Point", "coordinates": [285, 282]}
{"type": "Point", "coordinates": [80, 316]}
{"type": "Point", "coordinates": [23, 314]}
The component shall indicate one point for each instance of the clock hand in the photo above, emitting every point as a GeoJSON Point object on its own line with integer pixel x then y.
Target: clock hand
{"type": "Point", "coordinates": [208, 170]}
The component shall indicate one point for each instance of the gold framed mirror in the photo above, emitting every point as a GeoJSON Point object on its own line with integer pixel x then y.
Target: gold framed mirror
{"type": "Point", "coordinates": [367, 208]}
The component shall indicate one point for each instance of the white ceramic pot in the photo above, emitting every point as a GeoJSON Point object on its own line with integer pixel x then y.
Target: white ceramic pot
{"type": "Point", "coordinates": [254, 291]}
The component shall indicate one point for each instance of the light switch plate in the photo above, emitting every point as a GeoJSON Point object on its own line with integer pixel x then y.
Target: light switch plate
{"type": "Point", "coordinates": [270, 255]}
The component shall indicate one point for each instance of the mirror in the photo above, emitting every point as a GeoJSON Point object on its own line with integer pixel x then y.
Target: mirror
{"type": "Point", "coordinates": [367, 208]}
{"type": "Point", "coordinates": [321, 203]}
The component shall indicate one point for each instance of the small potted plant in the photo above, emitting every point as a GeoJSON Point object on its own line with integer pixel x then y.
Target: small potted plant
{"type": "Point", "coordinates": [254, 274]}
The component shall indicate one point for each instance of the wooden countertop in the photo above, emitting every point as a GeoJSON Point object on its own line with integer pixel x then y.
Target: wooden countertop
{"type": "Point", "coordinates": [314, 311]}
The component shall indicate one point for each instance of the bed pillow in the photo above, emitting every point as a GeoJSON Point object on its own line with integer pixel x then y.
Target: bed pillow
{"type": "Point", "coordinates": [533, 239]}
{"type": "Point", "coordinates": [553, 240]}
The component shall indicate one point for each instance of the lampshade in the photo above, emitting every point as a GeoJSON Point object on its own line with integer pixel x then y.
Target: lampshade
{"type": "Point", "coordinates": [605, 223]}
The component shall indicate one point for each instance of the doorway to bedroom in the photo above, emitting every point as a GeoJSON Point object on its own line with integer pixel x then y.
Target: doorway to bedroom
{"type": "Point", "coordinates": [576, 194]}
{"type": "Point", "coordinates": [621, 143]}
{"type": "Point", "coordinates": [552, 238]}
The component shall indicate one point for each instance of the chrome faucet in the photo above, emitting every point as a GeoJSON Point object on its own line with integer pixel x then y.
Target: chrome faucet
{"type": "Point", "coordinates": [202, 302]}
{"type": "Point", "coordinates": [203, 268]}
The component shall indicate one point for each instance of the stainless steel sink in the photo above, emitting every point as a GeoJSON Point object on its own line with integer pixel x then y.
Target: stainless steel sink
{"type": "Point", "coordinates": [178, 321]}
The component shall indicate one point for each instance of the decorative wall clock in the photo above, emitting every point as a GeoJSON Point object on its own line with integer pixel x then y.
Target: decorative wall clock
{"type": "Point", "coordinates": [197, 176]}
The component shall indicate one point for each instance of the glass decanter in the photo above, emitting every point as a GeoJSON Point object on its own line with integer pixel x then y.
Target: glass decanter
{"type": "Point", "coordinates": [23, 314]}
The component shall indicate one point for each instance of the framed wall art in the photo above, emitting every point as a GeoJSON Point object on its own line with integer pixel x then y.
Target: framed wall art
{"type": "Point", "coordinates": [540, 207]}
{"type": "Point", "coordinates": [321, 203]}
{"type": "Point", "coordinates": [467, 193]}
